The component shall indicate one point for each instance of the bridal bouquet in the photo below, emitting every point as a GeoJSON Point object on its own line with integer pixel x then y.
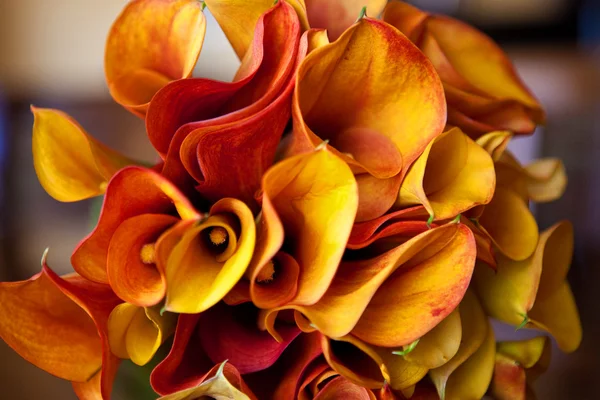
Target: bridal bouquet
{"type": "Point", "coordinates": [338, 222]}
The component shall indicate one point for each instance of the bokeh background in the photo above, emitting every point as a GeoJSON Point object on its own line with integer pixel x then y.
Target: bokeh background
{"type": "Point", "coordinates": [51, 55]}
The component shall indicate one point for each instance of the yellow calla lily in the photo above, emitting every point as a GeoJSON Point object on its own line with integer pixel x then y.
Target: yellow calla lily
{"type": "Point", "coordinates": [518, 365]}
{"type": "Point", "coordinates": [210, 258]}
{"type": "Point", "coordinates": [70, 164]}
{"type": "Point", "coordinates": [439, 344]}
{"type": "Point", "coordinates": [467, 375]}
{"type": "Point", "coordinates": [309, 202]}
{"type": "Point", "coordinates": [453, 175]}
{"type": "Point", "coordinates": [136, 333]}
{"type": "Point", "coordinates": [534, 292]}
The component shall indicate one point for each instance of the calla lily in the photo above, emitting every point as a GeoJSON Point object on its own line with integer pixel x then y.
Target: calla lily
{"type": "Point", "coordinates": [221, 382]}
{"type": "Point", "coordinates": [237, 19]}
{"type": "Point", "coordinates": [483, 90]}
{"type": "Point", "coordinates": [190, 121]}
{"type": "Point", "coordinates": [395, 298]}
{"type": "Point", "coordinates": [309, 202]}
{"type": "Point", "coordinates": [340, 89]}
{"type": "Point", "coordinates": [59, 324]}
{"type": "Point", "coordinates": [284, 379]}
{"type": "Point", "coordinates": [136, 333]}
{"type": "Point", "coordinates": [534, 292]}
{"type": "Point", "coordinates": [401, 368]}
{"type": "Point", "coordinates": [453, 175]}
{"type": "Point", "coordinates": [371, 366]}
{"type": "Point", "coordinates": [233, 335]}
{"type": "Point", "coordinates": [70, 164]}
{"type": "Point", "coordinates": [518, 365]}
{"type": "Point", "coordinates": [515, 234]}
{"type": "Point", "coordinates": [340, 388]}
{"type": "Point", "coordinates": [467, 375]}
{"type": "Point", "coordinates": [152, 43]}
{"type": "Point", "coordinates": [135, 198]}
{"type": "Point", "coordinates": [541, 181]}
{"type": "Point", "coordinates": [210, 258]}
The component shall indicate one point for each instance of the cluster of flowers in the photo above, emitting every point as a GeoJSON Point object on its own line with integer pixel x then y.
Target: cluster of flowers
{"type": "Point", "coordinates": [356, 252]}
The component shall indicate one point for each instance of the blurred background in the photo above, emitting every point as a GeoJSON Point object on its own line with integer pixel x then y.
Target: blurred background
{"type": "Point", "coordinates": [51, 55]}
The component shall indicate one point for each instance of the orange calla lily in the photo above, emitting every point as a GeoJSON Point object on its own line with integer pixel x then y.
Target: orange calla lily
{"type": "Point", "coordinates": [309, 202]}
{"type": "Point", "coordinates": [534, 292]}
{"type": "Point", "coordinates": [483, 90]}
{"type": "Point", "coordinates": [518, 365]}
{"type": "Point", "coordinates": [340, 88]}
{"type": "Point", "coordinates": [59, 325]}
{"type": "Point", "coordinates": [467, 375]}
{"type": "Point", "coordinates": [210, 258]}
{"type": "Point", "coordinates": [136, 197]}
{"type": "Point", "coordinates": [453, 175]}
{"type": "Point", "coordinates": [70, 164]}
{"type": "Point", "coordinates": [136, 333]}
{"type": "Point", "coordinates": [395, 298]}
{"type": "Point", "coordinates": [150, 44]}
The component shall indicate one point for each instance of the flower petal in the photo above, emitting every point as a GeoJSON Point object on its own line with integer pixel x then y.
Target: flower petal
{"type": "Point", "coordinates": [199, 273]}
{"type": "Point", "coordinates": [547, 179]}
{"type": "Point", "coordinates": [134, 279]}
{"type": "Point", "coordinates": [217, 386]}
{"type": "Point", "coordinates": [339, 91]}
{"type": "Point", "coordinates": [438, 345]}
{"type": "Point", "coordinates": [509, 381]}
{"type": "Point", "coordinates": [187, 364]}
{"type": "Point", "coordinates": [151, 43]}
{"type": "Point", "coordinates": [231, 333]}
{"type": "Point", "coordinates": [237, 19]}
{"type": "Point", "coordinates": [59, 325]}
{"type": "Point", "coordinates": [418, 282]}
{"type": "Point", "coordinates": [475, 329]}
{"type": "Point", "coordinates": [472, 378]}
{"type": "Point", "coordinates": [535, 289]}
{"type": "Point", "coordinates": [340, 388]}
{"type": "Point", "coordinates": [370, 366]}
{"type": "Point", "coordinates": [314, 197]}
{"type": "Point", "coordinates": [483, 90]}
{"type": "Point", "coordinates": [282, 379]}
{"type": "Point", "coordinates": [133, 191]}
{"type": "Point", "coordinates": [509, 224]}
{"type": "Point", "coordinates": [136, 333]}
{"type": "Point", "coordinates": [455, 176]}
{"type": "Point", "coordinates": [421, 296]}
{"type": "Point", "coordinates": [558, 315]}
{"type": "Point", "coordinates": [70, 164]}
{"type": "Point", "coordinates": [337, 15]}
{"type": "Point", "coordinates": [264, 72]}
